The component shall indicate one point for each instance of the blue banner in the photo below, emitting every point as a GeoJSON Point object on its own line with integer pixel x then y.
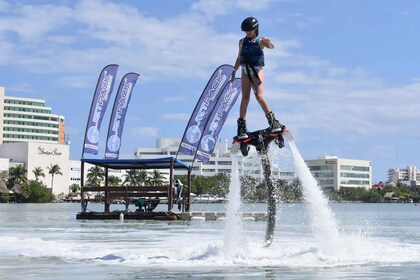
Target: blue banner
{"type": "Point", "coordinates": [100, 100]}
{"type": "Point", "coordinates": [203, 109]}
{"type": "Point", "coordinates": [119, 112]}
{"type": "Point", "coordinates": [217, 119]}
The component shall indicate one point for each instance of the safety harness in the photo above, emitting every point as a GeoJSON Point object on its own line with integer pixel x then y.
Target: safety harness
{"type": "Point", "coordinates": [251, 55]}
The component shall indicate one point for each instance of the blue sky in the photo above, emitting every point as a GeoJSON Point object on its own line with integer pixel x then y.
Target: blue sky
{"type": "Point", "coordinates": [344, 75]}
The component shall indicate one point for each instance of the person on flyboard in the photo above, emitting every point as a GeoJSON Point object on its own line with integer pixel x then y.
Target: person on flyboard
{"type": "Point", "coordinates": [251, 58]}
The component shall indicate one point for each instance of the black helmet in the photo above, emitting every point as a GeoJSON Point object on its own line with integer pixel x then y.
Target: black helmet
{"type": "Point", "coordinates": [249, 24]}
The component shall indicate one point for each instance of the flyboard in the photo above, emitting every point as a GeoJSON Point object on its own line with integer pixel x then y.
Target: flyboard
{"type": "Point", "coordinates": [261, 139]}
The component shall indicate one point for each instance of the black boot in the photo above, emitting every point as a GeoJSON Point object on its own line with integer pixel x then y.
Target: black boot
{"type": "Point", "coordinates": [275, 125]}
{"type": "Point", "coordinates": [242, 132]}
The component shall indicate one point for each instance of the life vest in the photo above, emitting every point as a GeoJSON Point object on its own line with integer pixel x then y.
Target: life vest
{"type": "Point", "coordinates": [251, 52]}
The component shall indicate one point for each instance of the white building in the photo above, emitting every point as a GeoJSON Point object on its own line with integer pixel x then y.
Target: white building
{"type": "Point", "coordinates": [33, 155]}
{"type": "Point", "coordinates": [30, 134]}
{"type": "Point", "coordinates": [335, 173]}
{"type": "Point", "coordinates": [220, 161]}
{"type": "Point", "coordinates": [28, 120]}
{"type": "Point", "coordinates": [409, 176]}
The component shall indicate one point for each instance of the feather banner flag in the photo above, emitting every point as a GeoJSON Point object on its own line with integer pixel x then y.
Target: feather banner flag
{"type": "Point", "coordinates": [98, 107]}
{"type": "Point", "coordinates": [217, 119]}
{"type": "Point", "coordinates": [119, 111]}
{"type": "Point", "coordinates": [204, 107]}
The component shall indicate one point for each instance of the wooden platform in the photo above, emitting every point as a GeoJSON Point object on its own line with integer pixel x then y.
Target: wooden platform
{"type": "Point", "coordinates": [116, 215]}
{"type": "Point", "coordinates": [162, 215]}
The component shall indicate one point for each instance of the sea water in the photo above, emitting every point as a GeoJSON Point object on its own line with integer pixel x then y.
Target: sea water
{"type": "Point", "coordinates": [312, 240]}
{"type": "Point", "coordinates": [45, 241]}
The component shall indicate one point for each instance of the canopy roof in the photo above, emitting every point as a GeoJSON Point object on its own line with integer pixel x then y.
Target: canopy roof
{"type": "Point", "coordinates": [153, 163]}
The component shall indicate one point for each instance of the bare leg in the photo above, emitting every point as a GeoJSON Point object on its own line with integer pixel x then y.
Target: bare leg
{"type": "Point", "coordinates": [246, 93]}
{"type": "Point", "coordinates": [259, 91]}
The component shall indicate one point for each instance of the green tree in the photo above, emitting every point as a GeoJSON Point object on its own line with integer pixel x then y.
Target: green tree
{"type": "Point", "coordinates": [157, 179]}
{"type": "Point", "coordinates": [38, 172]}
{"type": "Point", "coordinates": [219, 184]}
{"type": "Point", "coordinates": [143, 178]}
{"type": "Point", "coordinates": [54, 169]}
{"type": "Point", "coordinates": [131, 177]}
{"type": "Point", "coordinates": [36, 192]}
{"type": "Point", "coordinates": [95, 176]}
{"type": "Point", "coordinates": [74, 188]}
{"type": "Point", "coordinates": [201, 184]}
{"type": "Point", "coordinates": [17, 176]}
{"type": "Point", "coordinates": [114, 181]}
{"type": "Point", "coordinates": [373, 196]}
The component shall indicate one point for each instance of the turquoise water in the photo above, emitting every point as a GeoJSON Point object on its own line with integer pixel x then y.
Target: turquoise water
{"type": "Point", "coordinates": [45, 241]}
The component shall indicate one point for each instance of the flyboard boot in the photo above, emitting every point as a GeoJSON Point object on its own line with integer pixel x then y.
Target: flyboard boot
{"type": "Point", "coordinates": [275, 125]}
{"type": "Point", "coordinates": [242, 131]}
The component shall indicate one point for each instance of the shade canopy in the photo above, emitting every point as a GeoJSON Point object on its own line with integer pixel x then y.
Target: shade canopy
{"type": "Point", "coordinates": [154, 163]}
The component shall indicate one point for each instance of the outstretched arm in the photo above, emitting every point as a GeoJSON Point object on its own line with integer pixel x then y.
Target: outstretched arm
{"type": "Point", "coordinates": [266, 42]}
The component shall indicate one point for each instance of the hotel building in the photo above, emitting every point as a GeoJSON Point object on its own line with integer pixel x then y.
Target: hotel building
{"type": "Point", "coordinates": [409, 176]}
{"type": "Point", "coordinates": [31, 135]}
{"type": "Point", "coordinates": [335, 173]}
{"type": "Point", "coordinates": [29, 120]}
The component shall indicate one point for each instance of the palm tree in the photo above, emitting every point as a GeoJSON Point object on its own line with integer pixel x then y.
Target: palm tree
{"type": "Point", "coordinates": [114, 180]}
{"type": "Point", "coordinates": [95, 176]}
{"type": "Point", "coordinates": [17, 176]}
{"type": "Point", "coordinates": [132, 177]}
{"type": "Point", "coordinates": [38, 172]}
{"type": "Point", "coordinates": [157, 178]}
{"type": "Point", "coordinates": [143, 178]}
{"type": "Point", "coordinates": [54, 169]}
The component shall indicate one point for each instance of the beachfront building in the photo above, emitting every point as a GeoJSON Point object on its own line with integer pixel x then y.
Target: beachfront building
{"type": "Point", "coordinates": [32, 136]}
{"type": "Point", "coordinates": [36, 154]}
{"type": "Point", "coordinates": [221, 160]}
{"type": "Point", "coordinates": [29, 120]}
{"type": "Point", "coordinates": [409, 176]}
{"type": "Point", "coordinates": [335, 173]}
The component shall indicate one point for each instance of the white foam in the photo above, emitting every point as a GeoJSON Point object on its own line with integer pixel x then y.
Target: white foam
{"type": "Point", "coordinates": [233, 222]}
{"type": "Point", "coordinates": [202, 248]}
{"type": "Point", "coordinates": [322, 218]}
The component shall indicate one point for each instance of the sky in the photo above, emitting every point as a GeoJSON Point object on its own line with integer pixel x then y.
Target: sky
{"type": "Point", "coordinates": [343, 77]}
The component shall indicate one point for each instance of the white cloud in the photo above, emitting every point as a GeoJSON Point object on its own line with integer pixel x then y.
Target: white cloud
{"type": "Point", "coordinates": [145, 131]}
{"type": "Point", "coordinates": [133, 39]}
{"type": "Point", "coordinates": [75, 81]}
{"type": "Point", "coordinates": [351, 102]}
{"type": "Point", "coordinates": [176, 116]}
{"type": "Point", "coordinates": [21, 88]}
{"type": "Point", "coordinates": [32, 23]}
{"type": "Point", "coordinates": [214, 8]}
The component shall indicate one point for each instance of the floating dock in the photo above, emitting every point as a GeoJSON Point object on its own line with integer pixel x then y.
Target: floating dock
{"type": "Point", "coordinates": [163, 215]}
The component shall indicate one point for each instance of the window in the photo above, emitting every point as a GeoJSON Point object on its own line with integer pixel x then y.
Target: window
{"type": "Point", "coordinates": [354, 168]}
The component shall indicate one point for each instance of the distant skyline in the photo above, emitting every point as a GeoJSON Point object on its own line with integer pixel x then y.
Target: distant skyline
{"type": "Point", "coordinates": [343, 77]}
